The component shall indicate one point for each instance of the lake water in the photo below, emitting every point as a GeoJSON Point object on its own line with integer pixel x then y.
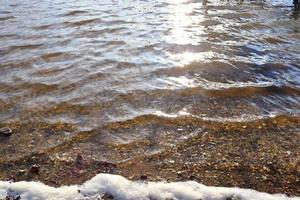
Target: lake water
{"type": "Point", "coordinates": [116, 80]}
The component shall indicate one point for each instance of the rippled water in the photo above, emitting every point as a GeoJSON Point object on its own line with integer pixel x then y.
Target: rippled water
{"type": "Point", "coordinates": [77, 69]}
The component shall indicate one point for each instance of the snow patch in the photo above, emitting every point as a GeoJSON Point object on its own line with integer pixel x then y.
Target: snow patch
{"type": "Point", "coordinates": [122, 189]}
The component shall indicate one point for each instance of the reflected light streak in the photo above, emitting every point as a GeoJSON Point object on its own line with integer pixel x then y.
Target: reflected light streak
{"type": "Point", "coordinates": [186, 31]}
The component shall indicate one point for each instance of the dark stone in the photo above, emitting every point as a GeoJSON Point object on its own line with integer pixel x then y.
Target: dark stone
{"type": "Point", "coordinates": [179, 173]}
{"type": "Point", "coordinates": [107, 197]}
{"type": "Point", "coordinates": [12, 198]}
{"type": "Point", "coordinates": [79, 159]}
{"type": "Point", "coordinates": [5, 131]}
{"type": "Point", "coordinates": [143, 177]}
{"type": "Point", "coordinates": [107, 164]}
{"type": "Point", "coordinates": [35, 169]}
{"type": "Point", "coordinates": [233, 198]}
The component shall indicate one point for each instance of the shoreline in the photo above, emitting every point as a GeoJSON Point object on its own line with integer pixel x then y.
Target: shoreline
{"type": "Point", "coordinates": [224, 155]}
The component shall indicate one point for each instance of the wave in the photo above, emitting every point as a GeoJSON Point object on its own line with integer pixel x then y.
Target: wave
{"type": "Point", "coordinates": [120, 188]}
{"type": "Point", "coordinates": [161, 116]}
{"type": "Point", "coordinates": [231, 88]}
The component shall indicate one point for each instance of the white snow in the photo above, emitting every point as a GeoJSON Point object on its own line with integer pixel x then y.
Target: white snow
{"type": "Point", "coordinates": [122, 189]}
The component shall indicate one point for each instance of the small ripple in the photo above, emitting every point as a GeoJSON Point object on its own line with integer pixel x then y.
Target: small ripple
{"type": "Point", "coordinates": [6, 18]}
{"type": "Point", "coordinates": [4, 12]}
{"type": "Point", "coordinates": [96, 33]}
{"type": "Point", "coordinates": [75, 12]}
{"type": "Point", "coordinates": [13, 48]}
{"type": "Point", "coordinates": [42, 27]}
{"type": "Point", "coordinates": [82, 22]}
{"type": "Point", "coordinates": [7, 35]}
{"type": "Point", "coordinates": [54, 56]}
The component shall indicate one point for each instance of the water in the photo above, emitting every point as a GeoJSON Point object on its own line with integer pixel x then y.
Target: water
{"type": "Point", "coordinates": [119, 80]}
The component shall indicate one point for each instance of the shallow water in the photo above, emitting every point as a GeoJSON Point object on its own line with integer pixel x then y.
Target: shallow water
{"type": "Point", "coordinates": [72, 70]}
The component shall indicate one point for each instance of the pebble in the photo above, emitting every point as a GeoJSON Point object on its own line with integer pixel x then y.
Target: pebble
{"type": "Point", "coordinates": [79, 159]}
{"type": "Point", "coordinates": [21, 172]}
{"type": "Point", "coordinates": [107, 197]}
{"type": "Point", "coordinates": [233, 198]}
{"type": "Point", "coordinates": [5, 131]}
{"type": "Point", "coordinates": [13, 197]}
{"type": "Point", "coordinates": [143, 177]}
{"type": "Point", "coordinates": [35, 169]}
